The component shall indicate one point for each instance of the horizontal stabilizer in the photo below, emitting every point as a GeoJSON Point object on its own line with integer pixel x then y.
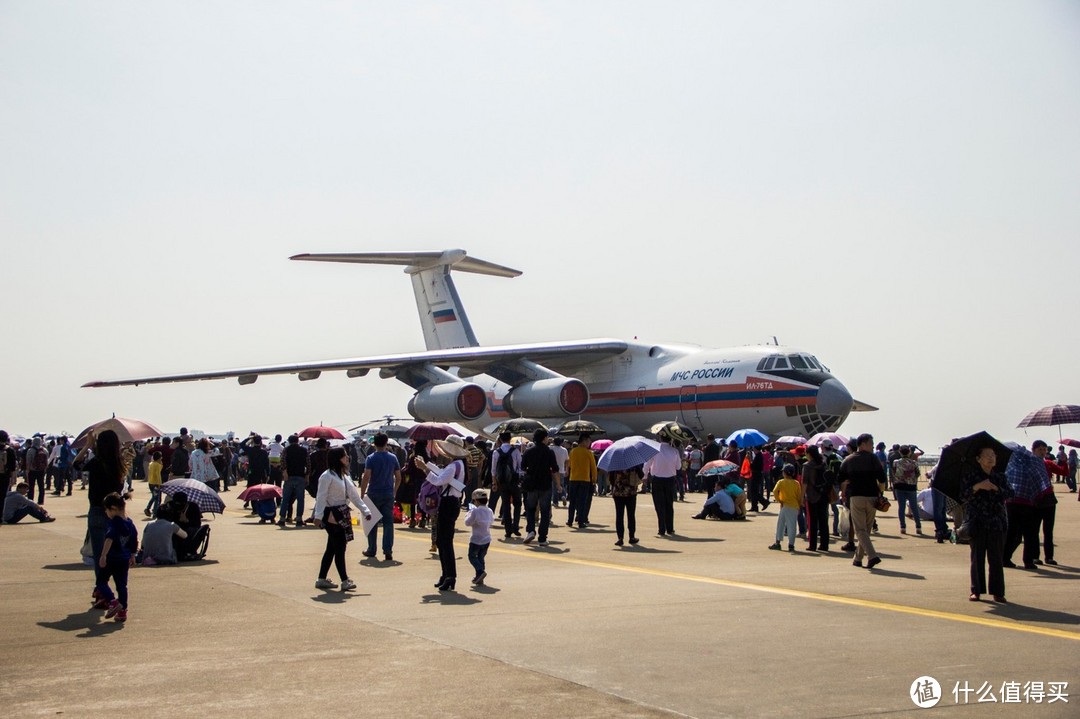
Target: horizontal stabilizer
{"type": "Point", "coordinates": [415, 262]}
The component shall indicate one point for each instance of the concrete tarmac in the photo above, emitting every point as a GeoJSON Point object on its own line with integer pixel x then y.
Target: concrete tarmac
{"type": "Point", "coordinates": [708, 623]}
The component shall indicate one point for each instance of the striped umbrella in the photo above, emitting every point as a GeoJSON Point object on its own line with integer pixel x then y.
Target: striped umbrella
{"type": "Point", "coordinates": [627, 453]}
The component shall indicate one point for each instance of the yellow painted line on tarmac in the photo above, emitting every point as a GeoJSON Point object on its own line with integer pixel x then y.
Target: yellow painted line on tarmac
{"type": "Point", "coordinates": [799, 593]}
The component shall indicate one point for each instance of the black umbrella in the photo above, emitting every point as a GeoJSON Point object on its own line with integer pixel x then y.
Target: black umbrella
{"type": "Point", "coordinates": [522, 426]}
{"type": "Point", "coordinates": [576, 427]}
{"type": "Point", "coordinates": [959, 456]}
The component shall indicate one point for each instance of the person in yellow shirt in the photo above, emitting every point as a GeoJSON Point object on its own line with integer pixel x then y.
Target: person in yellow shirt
{"type": "Point", "coordinates": [788, 493]}
{"type": "Point", "coordinates": [153, 478]}
{"type": "Point", "coordinates": [582, 471]}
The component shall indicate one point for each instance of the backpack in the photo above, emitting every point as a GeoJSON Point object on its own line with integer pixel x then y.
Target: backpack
{"type": "Point", "coordinates": [504, 471]}
{"type": "Point", "coordinates": [431, 496]}
{"type": "Point", "coordinates": [40, 461]}
{"type": "Point", "coordinates": [66, 455]}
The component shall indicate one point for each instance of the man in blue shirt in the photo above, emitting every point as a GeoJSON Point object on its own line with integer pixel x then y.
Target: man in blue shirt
{"type": "Point", "coordinates": [382, 475]}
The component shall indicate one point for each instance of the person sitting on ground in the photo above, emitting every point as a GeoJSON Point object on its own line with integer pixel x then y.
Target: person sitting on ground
{"type": "Point", "coordinates": [721, 505]}
{"type": "Point", "coordinates": [189, 518]}
{"type": "Point", "coordinates": [157, 541]}
{"type": "Point", "coordinates": [17, 505]}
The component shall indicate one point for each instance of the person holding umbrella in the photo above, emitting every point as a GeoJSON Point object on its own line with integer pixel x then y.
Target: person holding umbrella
{"type": "Point", "coordinates": [332, 499]}
{"type": "Point", "coordinates": [984, 493]}
{"type": "Point", "coordinates": [106, 472]}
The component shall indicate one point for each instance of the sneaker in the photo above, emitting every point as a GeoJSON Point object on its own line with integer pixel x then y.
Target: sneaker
{"type": "Point", "coordinates": [633, 540]}
{"type": "Point", "coordinates": [325, 584]}
{"type": "Point", "coordinates": [849, 547]}
{"type": "Point", "coordinates": [347, 584]}
{"type": "Point", "coordinates": [856, 562]}
{"type": "Point", "coordinates": [903, 531]}
{"type": "Point", "coordinates": [299, 524]}
{"type": "Point", "coordinates": [433, 548]}
{"type": "Point", "coordinates": [618, 542]}
{"type": "Point", "coordinates": [543, 542]}
{"type": "Point", "coordinates": [873, 562]}
{"type": "Point", "coordinates": [791, 548]}
{"type": "Point", "coordinates": [101, 604]}
{"type": "Point", "coordinates": [368, 553]}
{"type": "Point", "coordinates": [121, 616]}
{"type": "Point", "coordinates": [480, 578]}
{"type": "Point", "coordinates": [530, 537]}
{"type": "Point", "coordinates": [775, 545]}
{"type": "Point", "coordinates": [389, 557]}
{"type": "Point", "coordinates": [114, 607]}
{"type": "Point", "coordinates": [145, 511]}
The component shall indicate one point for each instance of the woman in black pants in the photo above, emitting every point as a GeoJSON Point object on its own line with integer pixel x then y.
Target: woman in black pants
{"type": "Point", "coordinates": [984, 493]}
{"type": "Point", "coordinates": [817, 488]}
{"type": "Point", "coordinates": [624, 489]}
{"type": "Point", "coordinates": [449, 476]}
{"type": "Point", "coordinates": [336, 490]}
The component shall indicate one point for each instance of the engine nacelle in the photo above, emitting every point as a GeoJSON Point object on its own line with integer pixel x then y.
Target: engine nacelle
{"type": "Point", "coordinates": [448, 402]}
{"type": "Point", "coordinates": [560, 397]}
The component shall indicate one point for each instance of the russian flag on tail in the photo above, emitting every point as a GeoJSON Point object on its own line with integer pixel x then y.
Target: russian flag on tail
{"type": "Point", "coordinates": [441, 316]}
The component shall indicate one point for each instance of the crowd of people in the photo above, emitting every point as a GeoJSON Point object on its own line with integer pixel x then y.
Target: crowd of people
{"type": "Point", "coordinates": [825, 493]}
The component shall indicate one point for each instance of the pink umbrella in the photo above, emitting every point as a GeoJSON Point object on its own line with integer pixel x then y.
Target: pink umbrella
{"type": "Point", "coordinates": [261, 491]}
{"type": "Point", "coordinates": [601, 444]}
{"type": "Point", "coordinates": [320, 432]}
{"type": "Point", "coordinates": [128, 430]}
{"type": "Point", "coordinates": [430, 430]}
{"type": "Point", "coordinates": [838, 440]}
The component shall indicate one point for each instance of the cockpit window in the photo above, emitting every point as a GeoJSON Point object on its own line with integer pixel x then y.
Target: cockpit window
{"type": "Point", "coordinates": [813, 362]}
{"type": "Point", "coordinates": [781, 363]}
{"type": "Point", "coordinates": [797, 362]}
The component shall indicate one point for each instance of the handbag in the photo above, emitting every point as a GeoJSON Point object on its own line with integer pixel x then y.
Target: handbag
{"type": "Point", "coordinates": [966, 531]}
{"type": "Point", "coordinates": [882, 504]}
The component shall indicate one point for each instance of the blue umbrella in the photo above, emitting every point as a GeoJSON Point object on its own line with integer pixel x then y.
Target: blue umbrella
{"type": "Point", "coordinates": [627, 453]}
{"type": "Point", "coordinates": [747, 438]}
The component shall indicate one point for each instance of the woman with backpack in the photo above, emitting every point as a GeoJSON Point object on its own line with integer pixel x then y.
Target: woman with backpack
{"type": "Point", "coordinates": [447, 477]}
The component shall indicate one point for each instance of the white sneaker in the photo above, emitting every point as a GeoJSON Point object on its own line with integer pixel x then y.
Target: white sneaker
{"type": "Point", "coordinates": [347, 584]}
{"type": "Point", "coordinates": [543, 543]}
{"type": "Point", "coordinates": [529, 537]}
{"type": "Point", "coordinates": [325, 584]}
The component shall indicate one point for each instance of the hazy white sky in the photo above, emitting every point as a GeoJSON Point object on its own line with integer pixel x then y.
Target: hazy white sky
{"type": "Point", "coordinates": [894, 187]}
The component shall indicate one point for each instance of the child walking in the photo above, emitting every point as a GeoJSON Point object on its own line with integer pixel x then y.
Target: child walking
{"type": "Point", "coordinates": [788, 492]}
{"type": "Point", "coordinates": [153, 479]}
{"type": "Point", "coordinates": [117, 556]}
{"type": "Point", "coordinates": [479, 518]}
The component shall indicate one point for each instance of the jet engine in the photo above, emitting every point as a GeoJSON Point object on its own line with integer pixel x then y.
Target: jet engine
{"type": "Point", "coordinates": [562, 397]}
{"type": "Point", "coordinates": [448, 402]}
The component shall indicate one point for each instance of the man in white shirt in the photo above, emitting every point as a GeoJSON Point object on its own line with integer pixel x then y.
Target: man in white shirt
{"type": "Point", "coordinates": [562, 456]}
{"type": "Point", "coordinates": [662, 471]}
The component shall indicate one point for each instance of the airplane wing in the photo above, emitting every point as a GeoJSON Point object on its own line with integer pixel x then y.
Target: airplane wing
{"type": "Point", "coordinates": [475, 360]}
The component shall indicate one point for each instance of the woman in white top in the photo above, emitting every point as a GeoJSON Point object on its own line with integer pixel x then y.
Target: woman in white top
{"type": "Point", "coordinates": [202, 464]}
{"type": "Point", "coordinates": [449, 475]}
{"type": "Point", "coordinates": [336, 490]}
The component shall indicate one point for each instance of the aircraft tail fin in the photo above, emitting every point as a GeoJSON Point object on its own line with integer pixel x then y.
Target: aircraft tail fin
{"type": "Point", "coordinates": [442, 316]}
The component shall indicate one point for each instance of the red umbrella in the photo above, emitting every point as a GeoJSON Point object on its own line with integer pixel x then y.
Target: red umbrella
{"type": "Point", "coordinates": [1070, 442]}
{"type": "Point", "coordinates": [431, 430]}
{"type": "Point", "coordinates": [261, 491]}
{"type": "Point", "coordinates": [128, 430]}
{"type": "Point", "coordinates": [320, 432]}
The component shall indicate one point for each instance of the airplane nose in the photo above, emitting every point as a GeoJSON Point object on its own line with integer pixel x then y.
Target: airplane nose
{"type": "Point", "coordinates": [833, 398]}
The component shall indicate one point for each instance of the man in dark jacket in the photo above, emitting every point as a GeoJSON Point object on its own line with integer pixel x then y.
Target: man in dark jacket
{"type": "Point", "coordinates": [541, 470]}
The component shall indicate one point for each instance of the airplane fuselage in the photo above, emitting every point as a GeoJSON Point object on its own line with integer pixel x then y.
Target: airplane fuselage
{"type": "Point", "coordinates": [713, 390]}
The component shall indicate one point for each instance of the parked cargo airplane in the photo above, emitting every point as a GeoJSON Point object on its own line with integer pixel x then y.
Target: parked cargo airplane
{"type": "Point", "coordinates": [624, 387]}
